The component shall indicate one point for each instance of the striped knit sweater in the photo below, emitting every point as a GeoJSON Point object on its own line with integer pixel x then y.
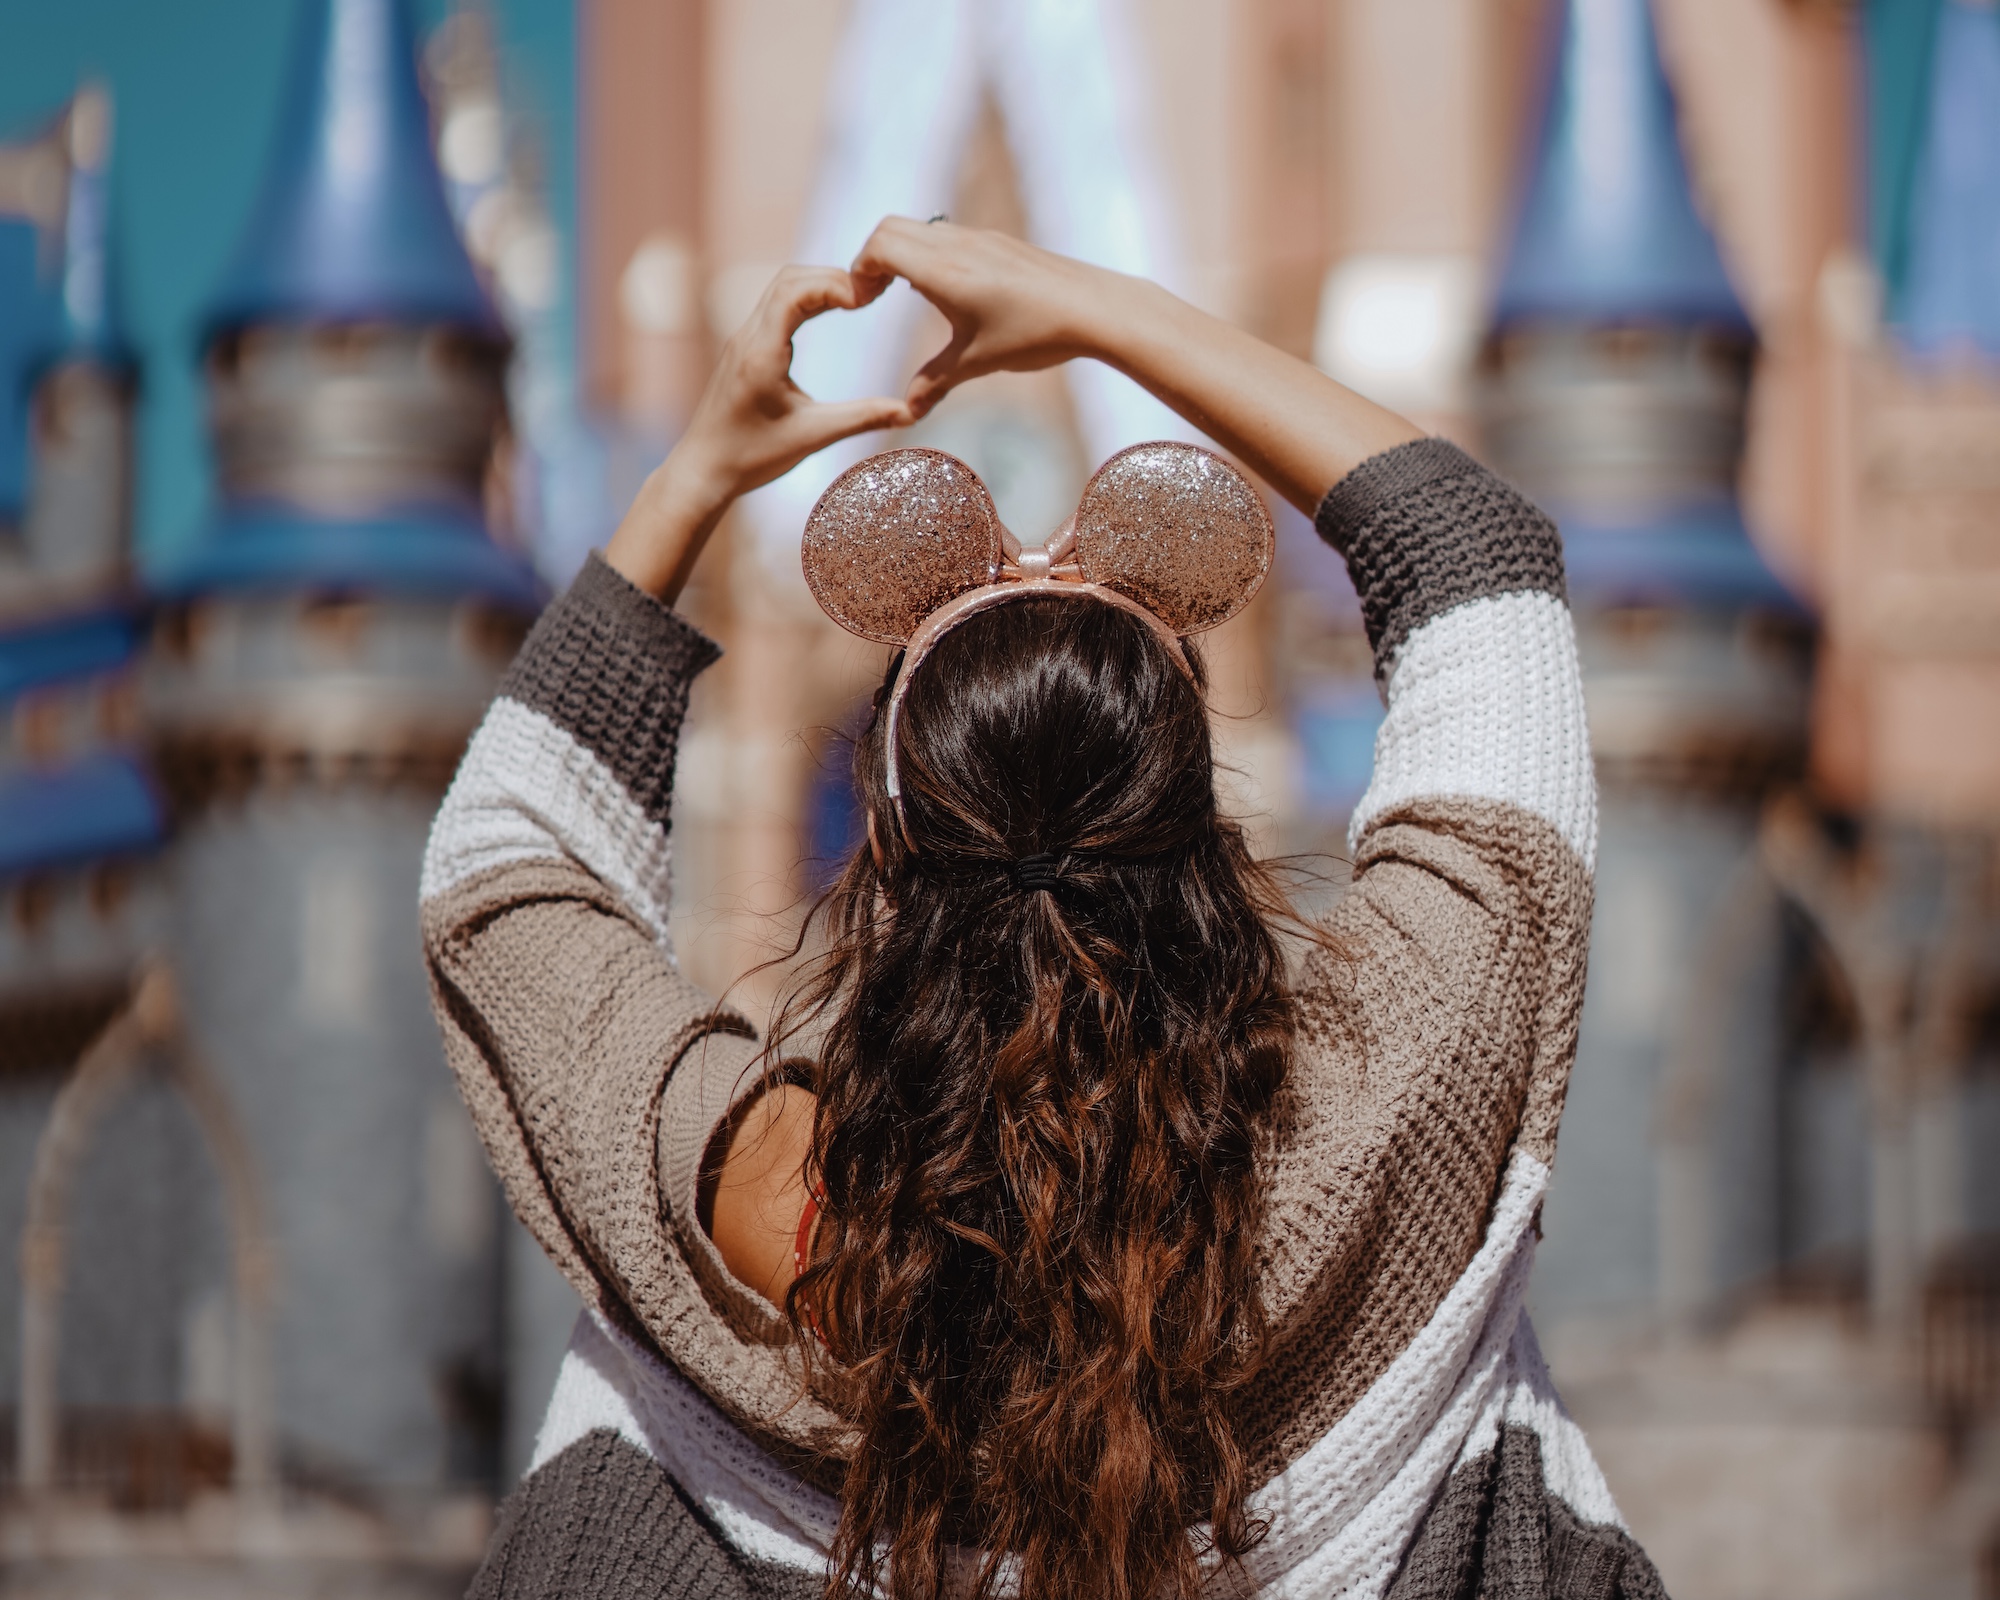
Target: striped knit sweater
{"type": "Point", "coordinates": [1407, 1437]}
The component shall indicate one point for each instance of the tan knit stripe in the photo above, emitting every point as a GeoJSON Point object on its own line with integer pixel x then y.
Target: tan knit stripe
{"type": "Point", "coordinates": [596, 1025]}
{"type": "Point", "coordinates": [1423, 1062]}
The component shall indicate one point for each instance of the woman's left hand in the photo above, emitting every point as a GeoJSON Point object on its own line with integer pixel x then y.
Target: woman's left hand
{"type": "Point", "coordinates": [752, 424]}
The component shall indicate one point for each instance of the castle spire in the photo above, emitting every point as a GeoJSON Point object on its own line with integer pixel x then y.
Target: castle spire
{"type": "Point", "coordinates": [1617, 372]}
{"type": "Point", "coordinates": [353, 224]}
{"type": "Point", "coordinates": [357, 367]}
{"type": "Point", "coordinates": [89, 328]}
{"type": "Point", "coordinates": [1609, 227]}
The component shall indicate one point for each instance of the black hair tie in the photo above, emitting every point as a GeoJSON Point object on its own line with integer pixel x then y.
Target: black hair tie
{"type": "Point", "coordinates": [1035, 872]}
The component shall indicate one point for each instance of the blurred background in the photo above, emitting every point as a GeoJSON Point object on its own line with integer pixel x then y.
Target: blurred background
{"type": "Point", "coordinates": [333, 333]}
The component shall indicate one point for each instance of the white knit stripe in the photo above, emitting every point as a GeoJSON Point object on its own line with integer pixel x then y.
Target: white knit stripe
{"type": "Point", "coordinates": [1342, 1515]}
{"type": "Point", "coordinates": [527, 790]}
{"type": "Point", "coordinates": [607, 1381]}
{"type": "Point", "coordinates": [590, 1394]}
{"type": "Point", "coordinates": [1486, 702]}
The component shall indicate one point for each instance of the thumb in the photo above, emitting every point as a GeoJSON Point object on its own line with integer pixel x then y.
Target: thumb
{"type": "Point", "coordinates": [812, 427]}
{"type": "Point", "coordinates": [938, 376]}
{"type": "Point", "coordinates": [830, 420]}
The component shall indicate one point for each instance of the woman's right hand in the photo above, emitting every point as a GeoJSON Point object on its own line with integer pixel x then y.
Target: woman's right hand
{"type": "Point", "coordinates": [1012, 307]}
{"type": "Point", "coordinates": [752, 424]}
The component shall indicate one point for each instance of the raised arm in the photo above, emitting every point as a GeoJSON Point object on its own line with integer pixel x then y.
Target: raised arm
{"type": "Point", "coordinates": [1013, 307]}
{"type": "Point", "coordinates": [593, 1068]}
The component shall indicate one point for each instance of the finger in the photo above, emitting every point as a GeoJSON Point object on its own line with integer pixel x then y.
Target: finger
{"type": "Point", "coordinates": [869, 289]}
{"type": "Point", "coordinates": [938, 376]}
{"type": "Point", "coordinates": [814, 426]}
{"type": "Point", "coordinates": [798, 294]}
{"type": "Point", "coordinates": [831, 420]}
{"type": "Point", "coordinates": [897, 248]}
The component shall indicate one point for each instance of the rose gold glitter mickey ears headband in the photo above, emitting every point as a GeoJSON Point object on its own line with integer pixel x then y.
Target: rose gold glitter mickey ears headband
{"type": "Point", "coordinates": [906, 545]}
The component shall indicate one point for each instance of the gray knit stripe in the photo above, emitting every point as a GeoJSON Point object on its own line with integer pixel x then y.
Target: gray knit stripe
{"type": "Point", "coordinates": [1496, 1530]}
{"type": "Point", "coordinates": [612, 666]}
{"type": "Point", "coordinates": [1424, 527]}
{"type": "Point", "coordinates": [604, 1521]}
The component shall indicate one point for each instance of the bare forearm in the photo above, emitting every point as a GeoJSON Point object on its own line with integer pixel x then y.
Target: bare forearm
{"type": "Point", "coordinates": [1288, 421]}
{"type": "Point", "coordinates": [667, 527]}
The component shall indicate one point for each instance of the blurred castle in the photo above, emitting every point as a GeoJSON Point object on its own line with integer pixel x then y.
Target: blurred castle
{"type": "Point", "coordinates": [262, 1251]}
{"type": "Point", "coordinates": [267, 1300]}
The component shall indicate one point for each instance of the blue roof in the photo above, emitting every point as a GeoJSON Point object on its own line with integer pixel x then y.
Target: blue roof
{"type": "Point", "coordinates": [434, 551]}
{"type": "Point", "coordinates": [1950, 295]}
{"type": "Point", "coordinates": [1696, 554]}
{"type": "Point", "coordinates": [79, 644]}
{"type": "Point", "coordinates": [1608, 228]}
{"type": "Point", "coordinates": [24, 329]}
{"type": "Point", "coordinates": [101, 805]}
{"type": "Point", "coordinates": [353, 223]}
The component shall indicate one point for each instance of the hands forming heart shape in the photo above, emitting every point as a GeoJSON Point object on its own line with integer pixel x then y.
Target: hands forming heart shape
{"type": "Point", "coordinates": [1010, 305]}
{"type": "Point", "coordinates": [1012, 308]}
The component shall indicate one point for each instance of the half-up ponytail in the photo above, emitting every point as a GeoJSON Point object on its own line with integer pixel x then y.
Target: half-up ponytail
{"type": "Point", "coordinates": [1057, 1029]}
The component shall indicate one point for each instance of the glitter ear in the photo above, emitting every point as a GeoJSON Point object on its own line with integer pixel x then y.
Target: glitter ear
{"type": "Point", "coordinates": [895, 537]}
{"type": "Point", "coordinates": [1177, 529]}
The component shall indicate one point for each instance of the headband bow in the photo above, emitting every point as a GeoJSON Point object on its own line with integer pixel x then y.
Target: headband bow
{"type": "Point", "coordinates": [906, 545]}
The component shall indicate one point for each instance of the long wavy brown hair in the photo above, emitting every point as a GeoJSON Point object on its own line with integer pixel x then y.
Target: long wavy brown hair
{"type": "Point", "coordinates": [1040, 1115]}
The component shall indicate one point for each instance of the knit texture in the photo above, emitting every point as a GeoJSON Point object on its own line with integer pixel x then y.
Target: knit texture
{"type": "Point", "coordinates": [610, 1381]}
{"type": "Point", "coordinates": [603, 1520]}
{"type": "Point", "coordinates": [1488, 701]}
{"type": "Point", "coordinates": [1418, 1447]}
{"type": "Point", "coordinates": [614, 668]}
{"type": "Point", "coordinates": [1408, 1157]}
{"type": "Point", "coordinates": [1424, 527]}
{"type": "Point", "coordinates": [1444, 1045]}
{"type": "Point", "coordinates": [1497, 1533]}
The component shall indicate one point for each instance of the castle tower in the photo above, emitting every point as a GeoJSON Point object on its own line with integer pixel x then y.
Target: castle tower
{"type": "Point", "coordinates": [1907, 716]}
{"type": "Point", "coordinates": [1613, 390]}
{"type": "Point", "coordinates": [75, 528]}
{"type": "Point", "coordinates": [325, 648]}
{"type": "Point", "coordinates": [81, 894]}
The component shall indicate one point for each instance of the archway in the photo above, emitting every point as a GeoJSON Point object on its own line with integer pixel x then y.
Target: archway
{"type": "Point", "coordinates": [145, 1034]}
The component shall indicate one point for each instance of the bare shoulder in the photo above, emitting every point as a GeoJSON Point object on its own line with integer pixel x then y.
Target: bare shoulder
{"type": "Point", "coordinates": [760, 1190]}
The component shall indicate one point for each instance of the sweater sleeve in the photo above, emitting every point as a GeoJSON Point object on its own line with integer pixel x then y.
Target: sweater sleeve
{"type": "Point", "coordinates": [565, 1018]}
{"type": "Point", "coordinates": [1437, 1045]}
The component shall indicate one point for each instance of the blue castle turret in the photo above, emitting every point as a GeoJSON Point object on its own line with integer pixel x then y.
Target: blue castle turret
{"type": "Point", "coordinates": [82, 887]}
{"type": "Point", "coordinates": [356, 362]}
{"type": "Point", "coordinates": [1621, 347]}
{"type": "Point", "coordinates": [325, 646]}
{"type": "Point", "coordinates": [73, 794]}
{"type": "Point", "coordinates": [1616, 377]}
{"type": "Point", "coordinates": [1614, 388]}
